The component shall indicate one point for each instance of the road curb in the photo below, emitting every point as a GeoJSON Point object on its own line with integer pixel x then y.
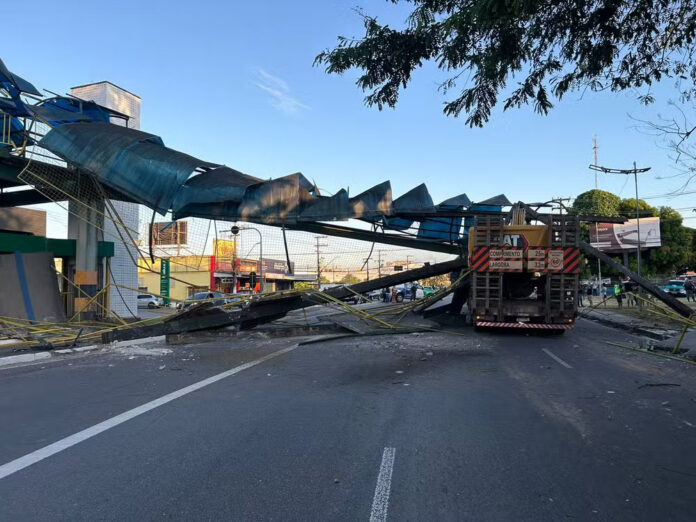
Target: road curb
{"type": "Point", "coordinates": [37, 356]}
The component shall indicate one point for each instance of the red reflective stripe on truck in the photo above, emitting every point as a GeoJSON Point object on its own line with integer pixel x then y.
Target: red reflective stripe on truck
{"type": "Point", "coordinates": [571, 263]}
{"type": "Point", "coordinates": [479, 259]}
{"type": "Point", "coordinates": [525, 325]}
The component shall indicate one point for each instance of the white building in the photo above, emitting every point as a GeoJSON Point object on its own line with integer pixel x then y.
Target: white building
{"type": "Point", "coordinates": [124, 271]}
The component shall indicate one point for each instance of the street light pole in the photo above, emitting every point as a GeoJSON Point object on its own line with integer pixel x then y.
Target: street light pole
{"type": "Point", "coordinates": [635, 178]}
{"type": "Point", "coordinates": [235, 230]}
{"type": "Point", "coordinates": [635, 171]}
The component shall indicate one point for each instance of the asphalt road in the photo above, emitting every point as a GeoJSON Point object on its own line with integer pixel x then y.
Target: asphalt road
{"type": "Point", "coordinates": [410, 427]}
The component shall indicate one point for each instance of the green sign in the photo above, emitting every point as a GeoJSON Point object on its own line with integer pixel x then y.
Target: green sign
{"type": "Point", "coordinates": [164, 280]}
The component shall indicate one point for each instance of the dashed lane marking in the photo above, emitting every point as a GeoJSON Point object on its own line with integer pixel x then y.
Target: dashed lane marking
{"type": "Point", "coordinates": [556, 358]}
{"type": "Point", "coordinates": [380, 503]}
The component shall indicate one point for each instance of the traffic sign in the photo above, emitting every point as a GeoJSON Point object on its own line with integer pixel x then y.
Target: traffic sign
{"type": "Point", "coordinates": [164, 280]}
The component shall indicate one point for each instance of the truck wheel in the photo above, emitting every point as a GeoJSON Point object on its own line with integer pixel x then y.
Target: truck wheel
{"type": "Point", "coordinates": [151, 305]}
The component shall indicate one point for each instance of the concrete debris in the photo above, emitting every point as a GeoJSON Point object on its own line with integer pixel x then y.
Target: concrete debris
{"type": "Point", "coordinates": [133, 351]}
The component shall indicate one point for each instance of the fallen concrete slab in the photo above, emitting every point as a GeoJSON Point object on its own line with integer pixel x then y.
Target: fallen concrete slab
{"type": "Point", "coordinates": [688, 343]}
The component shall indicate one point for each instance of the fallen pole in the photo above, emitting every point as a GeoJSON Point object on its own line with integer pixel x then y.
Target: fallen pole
{"type": "Point", "coordinates": [671, 301]}
{"type": "Point", "coordinates": [268, 308]}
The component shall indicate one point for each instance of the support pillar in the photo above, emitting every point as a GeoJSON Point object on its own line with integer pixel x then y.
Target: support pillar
{"type": "Point", "coordinates": [83, 220]}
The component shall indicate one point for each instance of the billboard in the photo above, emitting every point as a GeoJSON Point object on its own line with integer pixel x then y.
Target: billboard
{"type": "Point", "coordinates": [271, 267]}
{"type": "Point", "coordinates": [223, 248]}
{"type": "Point", "coordinates": [224, 252]}
{"type": "Point", "coordinates": [617, 237]}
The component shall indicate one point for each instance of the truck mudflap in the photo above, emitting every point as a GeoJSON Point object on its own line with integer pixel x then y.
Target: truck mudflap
{"type": "Point", "coordinates": [537, 326]}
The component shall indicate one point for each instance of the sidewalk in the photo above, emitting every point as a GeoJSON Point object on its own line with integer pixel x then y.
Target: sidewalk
{"type": "Point", "coordinates": [663, 330]}
{"type": "Point", "coordinates": [633, 323]}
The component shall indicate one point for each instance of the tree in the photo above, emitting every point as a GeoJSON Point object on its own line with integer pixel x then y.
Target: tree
{"type": "Point", "coordinates": [350, 279]}
{"type": "Point", "coordinates": [549, 48]}
{"type": "Point", "coordinates": [675, 251]}
{"type": "Point", "coordinates": [438, 280]}
{"type": "Point", "coordinates": [678, 241]}
{"type": "Point", "coordinates": [627, 208]}
{"type": "Point", "coordinates": [596, 203]}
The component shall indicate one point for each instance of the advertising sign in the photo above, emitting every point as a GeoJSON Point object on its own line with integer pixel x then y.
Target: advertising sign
{"type": "Point", "coordinates": [224, 248]}
{"type": "Point", "coordinates": [616, 237]}
{"type": "Point", "coordinates": [224, 251]}
{"type": "Point", "coordinates": [275, 266]}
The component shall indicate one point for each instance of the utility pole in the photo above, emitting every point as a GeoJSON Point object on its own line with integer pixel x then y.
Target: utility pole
{"type": "Point", "coordinates": [594, 153]}
{"type": "Point", "coordinates": [635, 171]}
{"type": "Point", "coordinates": [318, 247]}
{"type": "Point", "coordinates": [367, 265]}
{"type": "Point", "coordinates": [379, 263]}
{"type": "Point", "coordinates": [407, 262]}
{"type": "Point", "coordinates": [635, 178]}
{"type": "Point", "coordinates": [596, 186]}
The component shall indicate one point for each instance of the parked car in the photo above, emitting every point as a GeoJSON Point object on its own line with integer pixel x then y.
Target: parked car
{"type": "Point", "coordinates": [354, 299]}
{"type": "Point", "coordinates": [675, 287]}
{"type": "Point", "coordinates": [219, 299]}
{"type": "Point", "coordinates": [404, 292]}
{"type": "Point", "coordinates": [427, 290]}
{"type": "Point", "coordinates": [149, 301]}
{"type": "Point", "coordinates": [374, 295]}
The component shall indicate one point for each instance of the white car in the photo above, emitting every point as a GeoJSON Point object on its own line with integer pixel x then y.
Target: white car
{"type": "Point", "coordinates": [148, 301]}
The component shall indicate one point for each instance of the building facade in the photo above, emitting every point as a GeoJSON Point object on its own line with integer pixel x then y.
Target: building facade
{"type": "Point", "coordinates": [122, 269]}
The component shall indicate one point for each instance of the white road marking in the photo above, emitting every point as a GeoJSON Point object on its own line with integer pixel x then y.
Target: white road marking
{"type": "Point", "coordinates": [556, 358]}
{"type": "Point", "coordinates": [63, 444]}
{"type": "Point", "coordinates": [380, 504]}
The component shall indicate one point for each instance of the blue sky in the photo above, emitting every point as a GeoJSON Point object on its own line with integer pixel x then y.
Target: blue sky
{"type": "Point", "coordinates": [233, 82]}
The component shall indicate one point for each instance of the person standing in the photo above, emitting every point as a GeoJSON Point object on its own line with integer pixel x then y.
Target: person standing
{"type": "Point", "coordinates": [581, 291]}
{"type": "Point", "coordinates": [618, 294]}
{"type": "Point", "coordinates": [414, 289]}
{"type": "Point", "coordinates": [630, 296]}
{"type": "Point", "coordinates": [589, 294]}
{"type": "Point", "coordinates": [690, 288]}
{"type": "Point", "coordinates": [395, 294]}
{"type": "Point", "coordinates": [603, 294]}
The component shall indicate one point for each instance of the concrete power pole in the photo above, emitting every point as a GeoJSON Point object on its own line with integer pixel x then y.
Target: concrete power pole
{"type": "Point", "coordinates": [594, 153]}
{"type": "Point", "coordinates": [379, 263]}
{"type": "Point", "coordinates": [318, 247]}
{"type": "Point", "coordinates": [596, 186]}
